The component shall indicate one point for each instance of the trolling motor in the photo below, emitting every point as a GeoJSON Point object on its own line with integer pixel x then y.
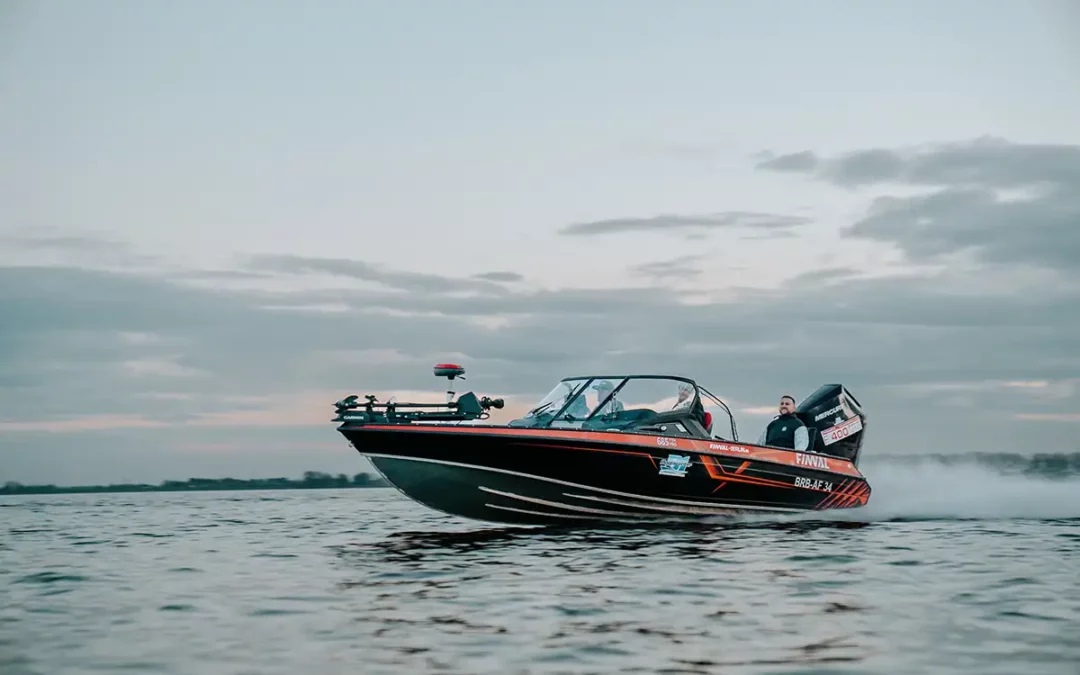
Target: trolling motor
{"type": "Point", "coordinates": [468, 407]}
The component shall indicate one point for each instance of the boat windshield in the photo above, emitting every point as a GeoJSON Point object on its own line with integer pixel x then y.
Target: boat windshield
{"type": "Point", "coordinates": [577, 399]}
{"type": "Point", "coordinates": [558, 397]}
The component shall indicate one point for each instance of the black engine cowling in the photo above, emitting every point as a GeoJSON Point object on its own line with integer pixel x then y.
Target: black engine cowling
{"type": "Point", "coordinates": [835, 422]}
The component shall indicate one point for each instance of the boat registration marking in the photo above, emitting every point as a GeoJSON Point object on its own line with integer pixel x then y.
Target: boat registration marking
{"type": "Point", "coordinates": [841, 431]}
{"type": "Point", "coordinates": [813, 484]}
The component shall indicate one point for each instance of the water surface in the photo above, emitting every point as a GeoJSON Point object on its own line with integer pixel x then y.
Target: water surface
{"type": "Point", "coordinates": [972, 572]}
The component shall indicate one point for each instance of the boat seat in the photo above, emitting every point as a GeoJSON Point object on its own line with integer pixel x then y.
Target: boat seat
{"type": "Point", "coordinates": [621, 419]}
{"type": "Point", "coordinates": [812, 436]}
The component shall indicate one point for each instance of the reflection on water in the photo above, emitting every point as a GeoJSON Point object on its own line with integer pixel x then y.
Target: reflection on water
{"type": "Point", "coordinates": [679, 536]}
{"type": "Point", "coordinates": [364, 581]}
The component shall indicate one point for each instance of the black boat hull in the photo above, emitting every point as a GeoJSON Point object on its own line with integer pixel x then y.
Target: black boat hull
{"type": "Point", "coordinates": [547, 476]}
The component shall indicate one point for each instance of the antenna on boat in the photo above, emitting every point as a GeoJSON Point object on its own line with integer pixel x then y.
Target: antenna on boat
{"type": "Point", "coordinates": [449, 371]}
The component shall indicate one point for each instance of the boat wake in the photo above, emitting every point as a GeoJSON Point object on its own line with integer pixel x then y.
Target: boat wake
{"type": "Point", "coordinates": [980, 486]}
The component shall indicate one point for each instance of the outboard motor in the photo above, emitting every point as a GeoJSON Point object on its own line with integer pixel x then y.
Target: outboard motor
{"type": "Point", "coordinates": [835, 422]}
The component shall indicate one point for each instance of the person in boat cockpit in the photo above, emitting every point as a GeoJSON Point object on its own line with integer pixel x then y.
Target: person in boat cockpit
{"type": "Point", "coordinates": [686, 396]}
{"type": "Point", "coordinates": [603, 388]}
{"type": "Point", "coordinates": [578, 408]}
{"type": "Point", "coordinates": [786, 430]}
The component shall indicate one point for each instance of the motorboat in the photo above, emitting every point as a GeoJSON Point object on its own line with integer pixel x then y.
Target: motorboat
{"type": "Point", "coordinates": [606, 447]}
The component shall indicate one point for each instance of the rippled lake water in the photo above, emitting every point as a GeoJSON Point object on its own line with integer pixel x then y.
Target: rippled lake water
{"type": "Point", "coordinates": [961, 572]}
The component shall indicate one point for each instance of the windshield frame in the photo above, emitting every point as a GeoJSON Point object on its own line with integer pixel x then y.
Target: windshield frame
{"type": "Point", "coordinates": [623, 380]}
{"type": "Point", "coordinates": [574, 393]}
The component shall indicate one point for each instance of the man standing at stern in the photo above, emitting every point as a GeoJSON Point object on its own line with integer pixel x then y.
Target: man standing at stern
{"type": "Point", "coordinates": [786, 430]}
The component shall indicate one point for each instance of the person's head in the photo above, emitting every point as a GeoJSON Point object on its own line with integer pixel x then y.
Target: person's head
{"type": "Point", "coordinates": [685, 391]}
{"type": "Point", "coordinates": [787, 405]}
{"type": "Point", "coordinates": [603, 388]}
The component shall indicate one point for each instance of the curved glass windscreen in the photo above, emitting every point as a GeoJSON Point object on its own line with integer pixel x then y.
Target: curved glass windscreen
{"type": "Point", "coordinates": [556, 399]}
{"type": "Point", "coordinates": [598, 399]}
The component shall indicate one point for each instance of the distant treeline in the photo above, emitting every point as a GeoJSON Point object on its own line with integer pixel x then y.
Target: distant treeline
{"type": "Point", "coordinates": [1057, 465]}
{"type": "Point", "coordinates": [1043, 465]}
{"type": "Point", "coordinates": [312, 480]}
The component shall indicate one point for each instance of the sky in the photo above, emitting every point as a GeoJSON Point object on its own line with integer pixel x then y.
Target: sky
{"type": "Point", "coordinates": [219, 218]}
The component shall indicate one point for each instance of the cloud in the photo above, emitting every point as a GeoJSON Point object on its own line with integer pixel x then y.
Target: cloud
{"type": "Point", "coordinates": [508, 277]}
{"type": "Point", "coordinates": [1050, 417]}
{"type": "Point", "coordinates": [673, 222]}
{"type": "Point", "coordinates": [985, 162]}
{"type": "Point", "coordinates": [824, 276]}
{"type": "Point", "coordinates": [49, 246]}
{"type": "Point", "coordinates": [1040, 230]}
{"type": "Point", "coordinates": [84, 423]}
{"type": "Point", "coordinates": [61, 242]}
{"type": "Point", "coordinates": [796, 162]}
{"type": "Point", "coordinates": [996, 201]}
{"type": "Point", "coordinates": [358, 269]}
{"type": "Point", "coordinates": [223, 354]}
{"type": "Point", "coordinates": [683, 268]}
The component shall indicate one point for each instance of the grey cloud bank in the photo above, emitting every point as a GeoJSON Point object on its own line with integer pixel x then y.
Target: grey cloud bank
{"type": "Point", "coordinates": [507, 277]}
{"type": "Point", "coordinates": [969, 208]}
{"type": "Point", "coordinates": [675, 222]}
{"type": "Point", "coordinates": [685, 267]}
{"type": "Point", "coordinates": [357, 269]}
{"type": "Point", "coordinates": [169, 373]}
{"type": "Point", "coordinates": [981, 162]}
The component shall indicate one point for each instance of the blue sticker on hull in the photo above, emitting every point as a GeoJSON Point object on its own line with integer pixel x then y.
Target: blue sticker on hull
{"type": "Point", "coordinates": [675, 465]}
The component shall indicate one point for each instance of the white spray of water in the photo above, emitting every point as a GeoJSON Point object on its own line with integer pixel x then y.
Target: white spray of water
{"type": "Point", "coordinates": [936, 490]}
